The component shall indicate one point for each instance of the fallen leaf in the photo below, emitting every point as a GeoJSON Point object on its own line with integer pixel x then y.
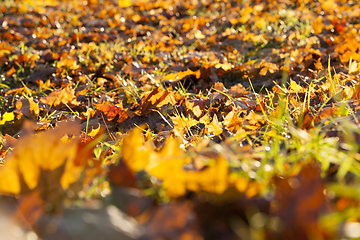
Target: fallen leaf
{"type": "Point", "coordinates": [111, 112]}
{"type": "Point", "coordinates": [300, 200]}
{"type": "Point", "coordinates": [232, 121]}
{"type": "Point", "coordinates": [215, 126]}
{"type": "Point", "coordinates": [60, 96]}
{"type": "Point", "coordinates": [45, 151]}
{"type": "Point", "coordinates": [28, 108]}
{"type": "Point", "coordinates": [157, 98]}
{"type": "Point", "coordinates": [182, 124]}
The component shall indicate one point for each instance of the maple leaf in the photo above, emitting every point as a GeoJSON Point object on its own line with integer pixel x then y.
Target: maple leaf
{"type": "Point", "coordinates": [168, 165]}
{"type": "Point", "coordinates": [111, 111]}
{"type": "Point", "coordinates": [267, 67]}
{"type": "Point", "coordinates": [199, 35]}
{"type": "Point", "coordinates": [296, 88]}
{"type": "Point", "coordinates": [317, 25]}
{"type": "Point", "coordinates": [157, 98]}
{"type": "Point", "coordinates": [6, 117]}
{"type": "Point", "coordinates": [225, 66]}
{"type": "Point", "coordinates": [19, 91]}
{"type": "Point", "coordinates": [232, 121]}
{"type": "Point", "coordinates": [254, 120]}
{"type": "Point", "coordinates": [60, 96]}
{"type": "Point", "coordinates": [237, 90]}
{"type": "Point", "coordinates": [133, 152]}
{"type": "Point", "coordinates": [45, 151]}
{"type": "Point", "coordinates": [182, 124]}
{"type": "Point", "coordinates": [67, 62]}
{"type": "Point", "coordinates": [180, 75]}
{"type": "Point", "coordinates": [215, 126]}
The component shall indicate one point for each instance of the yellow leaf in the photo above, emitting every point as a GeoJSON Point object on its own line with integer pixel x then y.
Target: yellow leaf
{"type": "Point", "coordinates": [353, 67]}
{"type": "Point", "coordinates": [177, 180]}
{"type": "Point", "coordinates": [225, 66]}
{"type": "Point", "coordinates": [7, 117]}
{"type": "Point", "coordinates": [199, 35]}
{"type": "Point", "coordinates": [125, 3]}
{"type": "Point", "coordinates": [241, 184]}
{"type": "Point", "coordinates": [317, 25]}
{"type": "Point", "coordinates": [295, 88]}
{"type": "Point", "coordinates": [267, 67]}
{"type": "Point", "coordinates": [181, 75]}
{"type": "Point", "coordinates": [32, 153]}
{"type": "Point", "coordinates": [215, 127]}
{"type": "Point", "coordinates": [10, 180]}
{"type": "Point", "coordinates": [182, 124]}
{"type": "Point", "coordinates": [134, 154]}
{"type": "Point", "coordinates": [232, 121]}
{"type": "Point", "coordinates": [94, 132]}
{"type": "Point", "coordinates": [168, 165]}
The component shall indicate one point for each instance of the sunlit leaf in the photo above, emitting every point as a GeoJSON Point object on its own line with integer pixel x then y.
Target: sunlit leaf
{"type": "Point", "coordinates": [45, 151]}
{"type": "Point", "coordinates": [232, 121]}
{"type": "Point", "coordinates": [111, 111]}
{"type": "Point", "coordinates": [215, 127]}
{"type": "Point", "coordinates": [7, 117]}
{"type": "Point", "coordinates": [60, 96]}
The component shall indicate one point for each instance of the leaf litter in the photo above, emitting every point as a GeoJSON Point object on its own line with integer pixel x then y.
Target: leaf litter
{"type": "Point", "coordinates": [180, 119]}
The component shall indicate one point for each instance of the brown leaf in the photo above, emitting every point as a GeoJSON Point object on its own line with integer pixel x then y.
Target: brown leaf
{"type": "Point", "coordinates": [173, 221]}
{"type": "Point", "coordinates": [254, 120]}
{"type": "Point", "coordinates": [195, 106]}
{"type": "Point", "coordinates": [299, 202]}
{"type": "Point", "coordinates": [28, 108]}
{"type": "Point", "coordinates": [121, 175]}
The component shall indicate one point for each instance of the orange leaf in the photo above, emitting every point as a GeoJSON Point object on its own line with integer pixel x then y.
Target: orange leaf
{"type": "Point", "coordinates": [317, 25]}
{"type": "Point", "coordinates": [60, 96]}
{"type": "Point", "coordinates": [254, 121]}
{"type": "Point", "coordinates": [157, 98]}
{"type": "Point", "coordinates": [232, 121]}
{"type": "Point", "coordinates": [237, 90]}
{"type": "Point", "coordinates": [181, 75]}
{"type": "Point", "coordinates": [111, 111]}
{"type": "Point", "coordinates": [10, 72]}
